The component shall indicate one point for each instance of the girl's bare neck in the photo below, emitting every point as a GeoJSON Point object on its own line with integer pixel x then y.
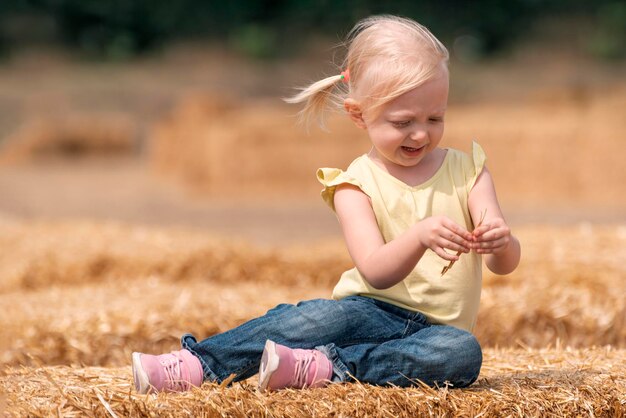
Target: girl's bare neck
{"type": "Point", "coordinates": [413, 175]}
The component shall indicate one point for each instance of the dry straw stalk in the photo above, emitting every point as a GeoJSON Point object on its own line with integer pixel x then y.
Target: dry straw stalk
{"type": "Point", "coordinates": [514, 382]}
{"type": "Point", "coordinates": [78, 297]}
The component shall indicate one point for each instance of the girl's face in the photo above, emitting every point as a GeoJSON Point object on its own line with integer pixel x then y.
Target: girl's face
{"type": "Point", "coordinates": [409, 127]}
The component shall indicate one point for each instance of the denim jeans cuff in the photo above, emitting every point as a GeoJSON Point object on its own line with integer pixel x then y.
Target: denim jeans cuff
{"type": "Point", "coordinates": [340, 371]}
{"type": "Point", "coordinates": [207, 372]}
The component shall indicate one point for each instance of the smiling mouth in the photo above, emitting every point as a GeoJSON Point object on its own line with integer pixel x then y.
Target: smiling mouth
{"type": "Point", "coordinates": [412, 149]}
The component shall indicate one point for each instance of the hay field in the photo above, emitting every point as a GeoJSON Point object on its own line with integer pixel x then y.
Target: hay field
{"type": "Point", "coordinates": [557, 150]}
{"type": "Point", "coordinates": [78, 297]}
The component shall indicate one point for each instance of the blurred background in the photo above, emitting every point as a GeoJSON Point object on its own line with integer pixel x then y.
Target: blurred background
{"type": "Point", "coordinates": [147, 161]}
{"type": "Point", "coordinates": [170, 113]}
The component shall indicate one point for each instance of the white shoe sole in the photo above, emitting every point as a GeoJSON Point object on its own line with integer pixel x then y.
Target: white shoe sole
{"type": "Point", "coordinates": [142, 383]}
{"type": "Point", "coordinates": [269, 364]}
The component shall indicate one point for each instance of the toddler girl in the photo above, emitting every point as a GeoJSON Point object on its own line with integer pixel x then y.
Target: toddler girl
{"type": "Point", "coordinates": [408, 210]}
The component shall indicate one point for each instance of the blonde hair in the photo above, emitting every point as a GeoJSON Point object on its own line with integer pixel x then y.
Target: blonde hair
{"type": "Point", "coordinates": [387, 57]}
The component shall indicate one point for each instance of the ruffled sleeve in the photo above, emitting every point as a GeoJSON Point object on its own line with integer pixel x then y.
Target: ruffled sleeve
{"type": "Point", "coordinates": [330, 179]}
{"type": "Point", "coordinates": [479, 158]}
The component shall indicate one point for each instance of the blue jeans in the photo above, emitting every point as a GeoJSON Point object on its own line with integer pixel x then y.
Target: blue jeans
{"type": "Point", "coordinates": [366, 339]}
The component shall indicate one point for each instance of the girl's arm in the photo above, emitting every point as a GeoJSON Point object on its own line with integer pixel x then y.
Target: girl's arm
{"type": "Point", "coordinates": [386, 264]}
{"type": "Point", "coordinates": [493, 238]}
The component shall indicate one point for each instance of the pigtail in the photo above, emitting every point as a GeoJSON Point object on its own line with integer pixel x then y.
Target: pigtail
{"type": "Point", "coordinates": [387, 55]}
{"type": "Point", "coordinates": [318, 97]}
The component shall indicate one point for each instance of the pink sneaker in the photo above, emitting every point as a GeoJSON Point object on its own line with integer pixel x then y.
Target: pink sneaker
{"type": "Point", "coordinates": [177, 371]}
{"type": "Point", "coordinates": [283, 367]}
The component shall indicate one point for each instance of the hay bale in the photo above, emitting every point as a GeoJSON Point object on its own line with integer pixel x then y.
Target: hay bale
{"type": "Point", "coordinates": [551, 152]}
{"type": "Point", "coordinates": [516, 383]}
{"type": "Point", "coordinates": [89, 293]}
{"type": "Point", "coordinates": [40, 254]}
{"type": "Point", "coordinates": [543, 153]}
{"type": "Point", "coordinates": [71, 135]}
{"type": "Point", "coordinates": [568, 289]}
{"type": "Point", "coordinates": [223, 148]}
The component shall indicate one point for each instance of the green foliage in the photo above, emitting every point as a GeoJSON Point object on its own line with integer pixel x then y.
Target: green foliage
{"type": "Point", "coordinates": [255, 40]}
{"type": "Point", "coordinates": [609, 39]}
{"type": "Point", "coordinates": [268, 28]}
{"type": "Point", "coordinates": [112, 28]}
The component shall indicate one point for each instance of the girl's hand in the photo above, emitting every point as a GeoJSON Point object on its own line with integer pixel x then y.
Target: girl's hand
{"type": "Point", "coordinates": [492, 237]}
{"type": "Point", "coordinates": [440, 233]}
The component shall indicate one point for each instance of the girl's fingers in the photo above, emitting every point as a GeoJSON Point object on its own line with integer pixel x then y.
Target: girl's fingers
{"type": "Point", "coordinates": [485, 239]}
{"type": "Point", "coordinates": [481, 230]}
{"type": "Point", "coordinates": [456, 247]}
{"type": "Point", "coordinates": [490, 236]}
{"type": "Point", "coordinates": [455, 243]}
{"type": "Point", "coordinates": [486, 247]}
{"type": "Point", "coordinates": [459, 231]}
{"type": "Point", "coordinates": [446, 255]}
{"type": "Point", "coordinates": [489, 243]}
{"type": "Point", "coordinates": [450, 243]}
{"type": "Point", "coordinates": [458, 236]}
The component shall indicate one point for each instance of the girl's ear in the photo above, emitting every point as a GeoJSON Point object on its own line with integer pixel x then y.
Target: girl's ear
{"type": "Point", "coordinates": [353, 108]}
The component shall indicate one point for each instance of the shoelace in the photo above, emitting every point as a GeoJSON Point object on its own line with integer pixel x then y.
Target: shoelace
{"type": "Point", "coordinates": [173, 373]}
{"type": "Point", "coordinates": [301, 370]}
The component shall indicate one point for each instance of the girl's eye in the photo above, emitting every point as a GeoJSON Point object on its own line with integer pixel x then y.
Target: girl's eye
{"type": "Point", "coordinates": [436, 120]}
{"type": "Point", "coordinates": [401, 123]}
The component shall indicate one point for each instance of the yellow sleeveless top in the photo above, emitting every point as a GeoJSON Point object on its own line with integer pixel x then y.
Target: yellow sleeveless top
{"type": "Point", "coordinates": [451, 299]}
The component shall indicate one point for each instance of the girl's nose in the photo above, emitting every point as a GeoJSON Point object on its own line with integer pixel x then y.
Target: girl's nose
{"type": "Point", "coordinates": [419, 133]}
